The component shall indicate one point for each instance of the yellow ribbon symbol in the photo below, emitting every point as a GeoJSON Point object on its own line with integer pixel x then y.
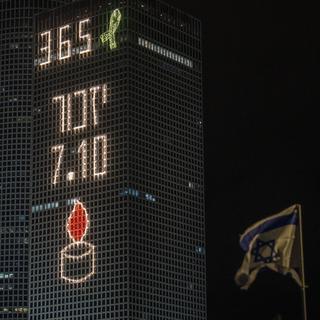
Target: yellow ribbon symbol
{"type": "Point", "coordinates": [109, 36]}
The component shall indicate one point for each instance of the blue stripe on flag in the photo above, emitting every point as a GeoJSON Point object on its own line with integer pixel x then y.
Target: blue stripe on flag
{"type": "Point", "coordinates": [267, 226]}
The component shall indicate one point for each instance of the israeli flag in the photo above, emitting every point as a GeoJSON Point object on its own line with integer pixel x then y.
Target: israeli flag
{"type": "Point", "coordinates": [271, 243]}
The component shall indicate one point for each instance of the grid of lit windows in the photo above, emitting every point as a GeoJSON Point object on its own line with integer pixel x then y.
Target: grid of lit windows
{"type": "Point", "coordinates": [146, 210]}
{"type": "Point", "coordinates": [79, 115]}
{"type": "Point", "coordinates": [16, 57]}
{"type": "Point", "coordinates": [167, 244]}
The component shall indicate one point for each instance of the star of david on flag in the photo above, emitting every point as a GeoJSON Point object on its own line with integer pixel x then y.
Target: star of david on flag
{"type": "Point", "coordinates": [271, 243]}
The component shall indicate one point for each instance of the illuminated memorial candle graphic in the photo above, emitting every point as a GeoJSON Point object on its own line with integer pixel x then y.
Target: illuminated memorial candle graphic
{"type": "Point", "coordinates": [78, 258]}
{"type": "Point", "coordinates": [110, 35]}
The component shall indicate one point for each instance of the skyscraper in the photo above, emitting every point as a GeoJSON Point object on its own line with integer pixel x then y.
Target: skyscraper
{"type": "Point", "coordinates": [16, 68]}
{"type": "Point", "coordinates": [117, 221]}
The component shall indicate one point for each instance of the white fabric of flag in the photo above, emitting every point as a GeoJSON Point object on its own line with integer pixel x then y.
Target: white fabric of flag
{"type": "Point", "coordinates": [272, 243]}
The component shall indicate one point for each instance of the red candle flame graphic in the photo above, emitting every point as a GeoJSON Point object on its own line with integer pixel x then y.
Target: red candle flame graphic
{"type": "Point", "coordinates": [77, 222]}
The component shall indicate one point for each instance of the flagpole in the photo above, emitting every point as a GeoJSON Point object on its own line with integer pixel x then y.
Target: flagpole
{"type": "Point", "coordinates": [304, 298]}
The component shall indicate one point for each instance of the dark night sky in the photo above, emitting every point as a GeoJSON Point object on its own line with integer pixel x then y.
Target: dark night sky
{"type": "Point", "coordinates": [261, 95]}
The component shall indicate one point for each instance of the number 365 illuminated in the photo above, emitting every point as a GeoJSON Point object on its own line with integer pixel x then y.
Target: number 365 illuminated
{"type": "Point", "coordinates": [64, 49]}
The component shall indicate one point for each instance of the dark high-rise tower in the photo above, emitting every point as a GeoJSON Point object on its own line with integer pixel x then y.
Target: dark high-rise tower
{"type": "Point", "coordinates": [117, 222]}
{"type": "Point", "coordinates": [16, 67]}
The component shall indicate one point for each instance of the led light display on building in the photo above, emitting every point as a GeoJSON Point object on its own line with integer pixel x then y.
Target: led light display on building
{"type": "Point", "coordinates": [85, 103]}
{"type": "Point", "coordinates": [77, 149]}
{"type": "Point", "coordinates": [79, 254]}
{"type": "Point", "coordinates": [82, 43]}
{"type": "Point", "coordinates": [117, 143]}
{"type": "Point", "coordinates": [78, 115]}
{"type": "Point", "coordinates": [110, 35]}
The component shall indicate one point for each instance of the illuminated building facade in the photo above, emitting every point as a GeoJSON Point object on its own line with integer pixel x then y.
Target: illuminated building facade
{"type": "Point", "coordinates": [117, 221]}
{"type": "Point", "coordinates": [16, 69]}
